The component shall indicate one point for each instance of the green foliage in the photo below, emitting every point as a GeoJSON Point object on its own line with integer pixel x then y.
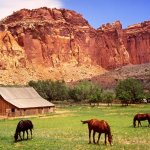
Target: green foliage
{"type": "Point", "coordinates": [85, 91]}
{"type": "Point", "coordinates": [108, 97]}
{"type": "Point", "coordinates": [58, 90]}
{"type": "Point", "coordinates": [42, 87]}
{"type": "Point", "coordinates": [81, 91]}
{"type": "Point", "coordinates": [96, 94]}
{"type": "Point", "coordinates": [51, 90]}
{"type": "Point", "coordinates": [129, 90]}
{"type": "Point", "coordinates": [147, 96]}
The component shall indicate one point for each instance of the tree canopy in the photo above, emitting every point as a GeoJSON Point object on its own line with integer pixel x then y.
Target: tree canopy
{"type": "Point", "coordinates": [129, 90]}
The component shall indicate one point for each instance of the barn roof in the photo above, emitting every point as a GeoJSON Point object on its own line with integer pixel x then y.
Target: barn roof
{"type": "Point", "coordinates": [23, 97]}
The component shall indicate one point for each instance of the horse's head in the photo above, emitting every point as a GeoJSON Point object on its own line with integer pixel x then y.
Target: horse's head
{"type": "Point", "coordinates": [16, 137]}
{"type": "Point", "coordinates": [134, 122]}
{"type": "Point", "coordinates": [110, 139]}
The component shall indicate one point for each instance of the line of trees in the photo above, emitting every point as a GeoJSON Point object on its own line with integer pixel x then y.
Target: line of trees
{"type": "Point", "coordinates": [83, 91]}
{"type": "Point", "coordinates": [127, 91]}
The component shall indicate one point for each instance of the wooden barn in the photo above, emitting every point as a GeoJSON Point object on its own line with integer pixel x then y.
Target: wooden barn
{"type": "Point", "coordinates": [22, 101]}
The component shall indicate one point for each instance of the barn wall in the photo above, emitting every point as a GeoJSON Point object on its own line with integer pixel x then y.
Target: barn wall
{"type": "Point", "coordinates": [9, 110]}
{"type": "Point", "coordinates": [5, 107]}
{"type": "Point", "coordinates": [33, 111]}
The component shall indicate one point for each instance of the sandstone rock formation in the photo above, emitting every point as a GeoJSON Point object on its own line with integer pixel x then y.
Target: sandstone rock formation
{"type": "Point", "coordinates": [11, 54]}
{"type": "Point", "coordinates": [111, 51]}
{"type": "Point", "coordinates": [137, 42]}
{"type": "Point", "coordinates": [55, 43]}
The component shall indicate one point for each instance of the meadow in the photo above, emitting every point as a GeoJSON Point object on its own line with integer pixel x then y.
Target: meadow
{"type": "Point", "coordinates": [63, 130]}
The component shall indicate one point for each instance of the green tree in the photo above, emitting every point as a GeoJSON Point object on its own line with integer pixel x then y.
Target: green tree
{"type": "Point", "coordinates": [108, 97]}
{"type": "Point", "coordinates": [41, 86]}
{"type": "Point", "coordinates": [59, 90]}
{"type": "Point", "coordinates": [51, 90]}
{"type": "Point", "coordinates": [85, 90]}
{"type": "Point", "coordinates": [96, 94]}
{"type": "Point", "coordinates": [129, 90]}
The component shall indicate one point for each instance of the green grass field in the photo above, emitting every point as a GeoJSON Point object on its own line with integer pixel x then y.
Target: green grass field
{"type": "Point", "coordinates": [63, 130]}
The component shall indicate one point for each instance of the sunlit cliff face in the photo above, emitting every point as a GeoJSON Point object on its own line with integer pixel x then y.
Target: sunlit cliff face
{"type": "Point", "coordinates": [58, 41]}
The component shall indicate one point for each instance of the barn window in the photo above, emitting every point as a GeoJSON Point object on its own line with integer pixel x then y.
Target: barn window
{"type": "Point", "coordinates": [13, 110]}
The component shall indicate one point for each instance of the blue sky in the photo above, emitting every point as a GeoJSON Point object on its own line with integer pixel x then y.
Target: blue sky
{"type": "Point", "coordinates": [97, 12]}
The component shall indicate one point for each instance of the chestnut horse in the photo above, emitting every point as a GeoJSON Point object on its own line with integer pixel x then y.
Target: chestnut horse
{"type": "Point", "coordinates": [23, 125]}
{"type": "Point", "coordinates": [141, 117]}
{"type": "Point", "coordinates": [99, 126]}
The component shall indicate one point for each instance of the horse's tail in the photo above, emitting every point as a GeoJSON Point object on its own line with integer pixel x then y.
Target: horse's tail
{"type": "Point", "coordinates": [86, 121]}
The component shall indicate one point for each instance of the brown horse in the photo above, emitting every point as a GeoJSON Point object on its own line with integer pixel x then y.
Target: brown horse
{"type": "Point", "coordinates": [99, 126]}
{"type": "Point", "coordinates": [139, 118]}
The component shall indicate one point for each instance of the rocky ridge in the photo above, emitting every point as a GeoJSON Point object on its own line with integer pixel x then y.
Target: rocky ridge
{"type": "Point", "coordinates": [60, 44]}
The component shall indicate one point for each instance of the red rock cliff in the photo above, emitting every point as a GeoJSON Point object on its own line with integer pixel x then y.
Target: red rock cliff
{"type": "Point", "coordinates": [110, 50]}
{"type": "Point", "coordinates": [50, 36]}
{"type": "Point", "coordinates": [137, 42]}
{"type": "Point", "coordinates": [54, 37]}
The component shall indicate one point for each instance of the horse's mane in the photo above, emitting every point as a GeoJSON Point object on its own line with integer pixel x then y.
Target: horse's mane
{"type": "Point", "coordinates": [109, 130]}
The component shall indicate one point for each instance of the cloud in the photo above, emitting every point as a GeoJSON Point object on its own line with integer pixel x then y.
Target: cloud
{"type": "Point", "coordinates": [8, 6]}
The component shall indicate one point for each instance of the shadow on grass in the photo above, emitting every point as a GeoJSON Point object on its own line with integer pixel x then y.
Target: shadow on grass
{"type": "Point", "coordinates": [145, 126]}
{"type": "Point", "coordinates": [22, 140]}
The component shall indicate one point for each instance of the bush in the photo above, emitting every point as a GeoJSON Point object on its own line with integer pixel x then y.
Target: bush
{"type": "Point", "coordinates": [108, 97]}
{"type": "Point", "coordinates": [129, 90]}
{"type": "Point", "coordinates": [42, 87]}
{"type": "Point", "coordinates": [51, 90]}
{"type": "Point", "coordinates": [85, 91]}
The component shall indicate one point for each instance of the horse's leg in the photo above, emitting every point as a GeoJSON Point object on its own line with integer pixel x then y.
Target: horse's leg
{"type": "Point", "coordinates": [31, 133]}
{"type": "Point", "coordinates": [90, 136]}
{"type": "Point", "coordinates": [23, 134]}
{"type": "Point", "coordinates": [148, 123]}
{"type": "Point", "coordinates": [27, 133]}
{"type": "Point", "coordinates": [99, 135]}
{"type": "Point", "coordinates": [20, 135]}
{"type": "Point", "coordinates": [140, 123]}
{"type": "Point", "coordinates": [105, 138]}
{"type": "Point", "coordinates": [94, 136]}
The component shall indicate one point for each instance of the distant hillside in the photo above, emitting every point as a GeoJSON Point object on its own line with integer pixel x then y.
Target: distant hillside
{"type": "Point", "coordinates": [110, 78]}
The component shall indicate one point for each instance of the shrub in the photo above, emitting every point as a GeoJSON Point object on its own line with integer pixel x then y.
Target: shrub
{"type": "Point", "coordinates": [129, 90]}
{"type": "Point", "coordinates": [51, 90]}
{"type": "Point", "coordinates": [108, 97]}
{"type": "Point", "coordinates": [85, 91]}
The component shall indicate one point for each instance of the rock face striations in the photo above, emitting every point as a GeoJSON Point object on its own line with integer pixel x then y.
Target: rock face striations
{"type": "Point", "coordinates": [59, 39]}
{"type": "Point", "coordinates": [137, 42]}
{"type": "Point", "coordinates": [49, 36]}
{"type": "Point", "coordinates": [12, 55]}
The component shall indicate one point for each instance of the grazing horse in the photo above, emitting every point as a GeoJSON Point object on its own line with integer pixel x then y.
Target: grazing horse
{"type": "Point", "coordinates": [23, 125]}
{"type": "Point", "coordinates": [139, 118]}
{"type": "Point", "coordinates": [99, 126]}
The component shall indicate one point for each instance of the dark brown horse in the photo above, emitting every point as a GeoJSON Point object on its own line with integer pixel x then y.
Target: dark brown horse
{"type": "Point", "coordinates": [141, 117]}
{"type": "Point", "coordinates": [99, 126]}
{"type": "Point", "coordinates": [23, 125]}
